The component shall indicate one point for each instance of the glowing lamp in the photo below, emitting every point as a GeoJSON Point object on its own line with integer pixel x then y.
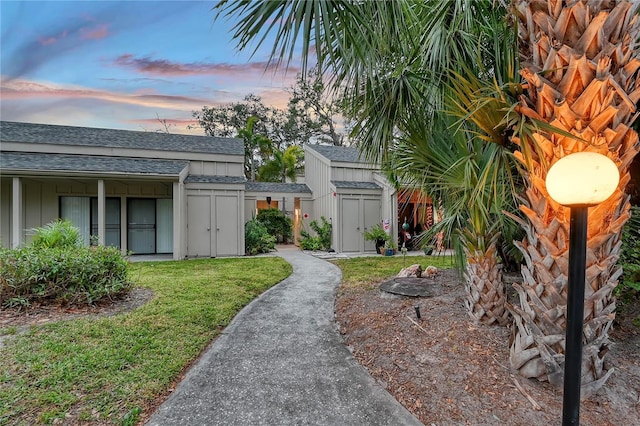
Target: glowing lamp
{"type": "Point", "coordinates": [579, 180]}
{"type": "Point", "coordinates": [582, 179]}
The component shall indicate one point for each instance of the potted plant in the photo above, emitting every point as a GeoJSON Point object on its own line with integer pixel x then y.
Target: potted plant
{"type": "Point", "coordinates": [390, 248]}
{"type": "Point", "coordinates": [378, 235]}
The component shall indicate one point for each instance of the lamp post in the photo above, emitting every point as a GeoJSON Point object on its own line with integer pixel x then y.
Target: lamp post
{"type": "Point", "coordinates": [578, 181]}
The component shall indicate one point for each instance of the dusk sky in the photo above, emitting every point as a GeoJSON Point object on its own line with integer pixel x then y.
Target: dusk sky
{"type": "Point", "coordinates": [122, 64]}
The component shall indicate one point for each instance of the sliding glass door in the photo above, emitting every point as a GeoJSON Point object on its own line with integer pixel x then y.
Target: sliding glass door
{"type": "Point", "coordinates": [141, 225]}
{"type": "Point", "coordinates": [150, 225]}
{"type": "Point", "coordinates": [83, 213]}
{"type": "Point", "coordinates": [77, 210]}
{"type": "Point", "coordinates": [164, 225]}
{"type": "Point", "coordinates": [111, 221]}
{"type": "Point", "coordinates": [149, 222]}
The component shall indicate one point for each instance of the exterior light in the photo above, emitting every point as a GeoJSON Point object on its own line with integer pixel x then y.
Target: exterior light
{"type": "Point", "coordinates": [582, 179]}
{"type": "Point", "coordinates": [579, 180]}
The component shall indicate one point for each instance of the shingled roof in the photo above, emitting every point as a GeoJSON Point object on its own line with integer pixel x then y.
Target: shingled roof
{"type": "Point", "coordinates": [85, 136]}
{"type": "Point", "coordinates": [355, 185]}
{"type": "Point", "coordinates": [343, 154]}
{"type": "Point", "coordinates": [28, 161]}
{"type": "Point", "coordinates": [214, 179]}
{"type": "Point", "coordinates": [277, 187]}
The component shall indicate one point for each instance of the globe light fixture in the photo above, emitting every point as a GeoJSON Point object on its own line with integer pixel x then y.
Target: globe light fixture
{"type": "Point", "coordinates": [579, 180]}
{"type": "Point", "coordinates": [582, 179]}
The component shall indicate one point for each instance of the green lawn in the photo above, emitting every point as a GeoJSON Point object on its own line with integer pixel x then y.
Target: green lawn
{"type": "Point", "coordinates": [110, 369]}
{"type": "Point", "coordinates": [367, 271]}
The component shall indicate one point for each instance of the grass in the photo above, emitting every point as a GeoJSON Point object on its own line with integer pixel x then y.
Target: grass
{"type": "Point", "coordinates": [366, 272]}
{"type": "Point", "coordinates": [110, 370]}
{"type": "Point", "coordinates": [8, 330]}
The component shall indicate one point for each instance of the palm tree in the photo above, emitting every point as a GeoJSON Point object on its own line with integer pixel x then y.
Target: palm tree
{"type": "Point", "coordinates": [255, 145]}
{"type": "Point", "coordinates": [580, 66]}
{"type": "Point", "coordinates": [284, 165]}
{"type": "Point", "coordinates": [385, 78]}
{"type": "Point", "coordinates": [473, 182]}
{"type": "Point", "coordinates": [384, 57]}
{"type": "Point", "coordinates": [581, 71]}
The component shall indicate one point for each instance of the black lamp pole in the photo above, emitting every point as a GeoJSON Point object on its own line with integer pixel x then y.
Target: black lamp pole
{"type": "Point", "coordinates": [575, 316]}
{"type": "Point", "coordinates": [598, 177]}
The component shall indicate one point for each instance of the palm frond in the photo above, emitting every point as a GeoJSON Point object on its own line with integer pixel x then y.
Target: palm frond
{"type": "Point", "coordinates": [473, 182]}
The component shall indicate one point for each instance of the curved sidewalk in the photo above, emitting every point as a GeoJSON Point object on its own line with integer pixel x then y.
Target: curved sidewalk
{"type": "Point", "coordinates": [281, 361]}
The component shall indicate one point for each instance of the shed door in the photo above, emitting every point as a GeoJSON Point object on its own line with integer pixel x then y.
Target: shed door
{"type": "Point", "coordinates": [371, 218]}
{"type": "Point", "coordinates": [199, 226]}
{"type": "Point", "coordinates": [227, 222]}
{"type": "Point", "coordinates": [351, 232]}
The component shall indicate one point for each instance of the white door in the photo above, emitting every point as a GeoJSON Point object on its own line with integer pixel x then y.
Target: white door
{"type": "Point", "coordinates": [371, 218]}
{"type": "Point", "coordinates": [350, 229]}
{"type": "Point", "coordinates": [227, 223]}
{"type": "Point", "coordinates": [199, 226]}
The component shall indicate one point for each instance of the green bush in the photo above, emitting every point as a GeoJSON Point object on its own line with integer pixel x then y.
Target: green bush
{"type": "Point", "coordinates": [59, 233]}
{"type": "Point", "coordinates": [322, 239]}
{"type": "Point", "coordinates": [308, 242]}
{"type": "Point", "coordinates": [277, 224]}
{"type": "Point", "coordinates": [257, 238]}
{"type": "Point", "coordinates": [69, 275]}
{"type": "Point", "coordinates": [630, 256]}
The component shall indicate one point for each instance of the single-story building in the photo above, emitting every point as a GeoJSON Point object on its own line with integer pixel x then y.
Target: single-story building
{"type": "Point", "coordinates": [351, 193]}
{"type": "Point", "coordinates": [153, 193]}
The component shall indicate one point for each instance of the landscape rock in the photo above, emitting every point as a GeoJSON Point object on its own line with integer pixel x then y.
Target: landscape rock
{"type": "Point", "coordinates": [411, 271]}
{"type": "Point", "coordinates": [430, 272]}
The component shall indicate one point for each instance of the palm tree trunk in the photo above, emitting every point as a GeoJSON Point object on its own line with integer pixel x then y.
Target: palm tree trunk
{"type": "Point", "coordinates": [486, 297]}
{"type": "Point", "coordinates": [580, 67]}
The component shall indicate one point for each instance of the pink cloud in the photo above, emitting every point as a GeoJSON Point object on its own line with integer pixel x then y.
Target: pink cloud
{"type": "Point", "coordinates": [147, 65]}
{"type": "Point", "coordinates": [182, 122]}
{"type": "Point", "coordinates": [97, 33]}
{"type": "Point", "coordinates": [25, 89]}
{"type": "Point", "coordinates": [145, 91]}
{"type": "Point", "coordinates": [275, 98]}
{"type": "Point", "coordinates": [47, 41]}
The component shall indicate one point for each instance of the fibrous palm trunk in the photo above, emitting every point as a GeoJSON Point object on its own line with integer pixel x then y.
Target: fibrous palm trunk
{"type": "Point", "coordinates": [580, 63]}
{"type": "Point", "coordinates": [486, 296]}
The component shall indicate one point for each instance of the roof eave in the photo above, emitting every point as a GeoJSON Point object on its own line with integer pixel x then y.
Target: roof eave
{"type": "Point", "coordinates": [86, 174]}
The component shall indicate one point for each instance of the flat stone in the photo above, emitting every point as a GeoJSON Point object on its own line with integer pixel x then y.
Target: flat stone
{"type": "Point", "coordinates": [412, 287]}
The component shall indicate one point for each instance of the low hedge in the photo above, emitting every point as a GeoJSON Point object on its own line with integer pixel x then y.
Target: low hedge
{"type": "Point", "coordinates": [69, 275]}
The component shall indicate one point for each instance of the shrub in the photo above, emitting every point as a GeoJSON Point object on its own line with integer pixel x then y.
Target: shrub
{"type": "Point", "coordinates": [308, 242]}
{"type": "Point", "coordinates": [322, 239]}
{"type": "Point", "coordinates": [69, 275]}
{"type": "Point", "coordinates": [59, 233]}
{"type": "Point", "coordinates": [257, 238]}
{"type": "Point", "coordinates": [630, 256]}
{"type": "Point", "coordinates": [277, 224]}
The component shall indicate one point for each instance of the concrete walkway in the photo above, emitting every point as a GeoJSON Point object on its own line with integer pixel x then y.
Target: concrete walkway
{"type": "Point", "coordinates": [281, 361]}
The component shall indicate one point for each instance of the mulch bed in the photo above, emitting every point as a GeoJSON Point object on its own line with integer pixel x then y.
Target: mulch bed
{"type": "Point", "coordinates": [447, 370]}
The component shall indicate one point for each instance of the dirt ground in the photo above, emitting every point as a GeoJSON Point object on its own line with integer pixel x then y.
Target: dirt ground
{"type": "Point", "coordinates": [447, 370]}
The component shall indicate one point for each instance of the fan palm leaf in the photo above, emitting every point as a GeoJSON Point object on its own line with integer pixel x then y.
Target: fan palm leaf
{"type": "Point", "coordinates": [471, 182]}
